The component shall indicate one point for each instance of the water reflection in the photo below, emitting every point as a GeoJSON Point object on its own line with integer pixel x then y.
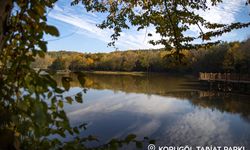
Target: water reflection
{"type": "Point", "coordinates": [161, 107]}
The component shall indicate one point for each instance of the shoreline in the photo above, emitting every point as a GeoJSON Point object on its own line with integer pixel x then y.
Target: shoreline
{"type": "Point", "coordinates": [116, 73]}
{"type": "Point", "coordinates": [133, 73]}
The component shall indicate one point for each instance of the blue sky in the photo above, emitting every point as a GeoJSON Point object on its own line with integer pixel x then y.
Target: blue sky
{"type": "Point", "coordinates": [78, 31]}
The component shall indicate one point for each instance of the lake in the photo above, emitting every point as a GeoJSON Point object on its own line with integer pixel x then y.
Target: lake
{"type": "Point", "coordinates": [170, 109]}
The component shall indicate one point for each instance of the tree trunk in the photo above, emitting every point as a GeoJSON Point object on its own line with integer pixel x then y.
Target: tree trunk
{"type": "Point", "coordinates": [5, 11]}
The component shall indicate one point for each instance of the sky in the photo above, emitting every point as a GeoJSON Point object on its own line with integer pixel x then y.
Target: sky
{"type": "Point", "coordinates": [78, 31]}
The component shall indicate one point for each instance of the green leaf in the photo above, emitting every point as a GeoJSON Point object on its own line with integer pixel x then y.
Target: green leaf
{"type": "Point", "coordinates": [40, 10]}
{"type": "Point", "coordinates": [60, 103]}
{"type": "Point", "coordinates": [49, 94]}
{"type": "Point", "coordinates": [66, 83]}
{"type": "Point", "coordinates": [58, 90]}
{"type": "Point", "coordinates": [51, 30]}
{"type": "Point", "coordinates": [41, 54]}
{"type": "Point", "coordinates": [78, 98]}
{"type": "Point", "coordinates": [130, 138]}
{"type": "Point", "coordinates": [84, 90]}
{"type": "Point", "coordinates": [43, 46]}
{"type": "Point", "coordinates": [83, 126]}
{"type": "Point", "coordinates": [69, 99]}
{"type": "Point", "coordinates": [75, 129]}
{"type": "Point", "coordinates": [39, 113]}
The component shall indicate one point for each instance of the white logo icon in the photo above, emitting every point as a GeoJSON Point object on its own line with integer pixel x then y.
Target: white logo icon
{"type": "Point", "coordinates": [151, 147]}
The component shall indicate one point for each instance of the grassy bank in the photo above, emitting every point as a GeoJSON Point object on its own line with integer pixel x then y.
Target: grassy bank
{"type": "Point", "coordinates": [136, 73]}
{"type": "Point", "coordinates": [133, 73]}
{"type": "Point", "coordinates": [116, 72]}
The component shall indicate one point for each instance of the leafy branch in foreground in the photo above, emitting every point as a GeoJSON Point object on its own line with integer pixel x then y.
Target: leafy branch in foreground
{"type": "Point", "coordinates": [31, 102]}
{"type": "Point", "coordinates": [170, 18]}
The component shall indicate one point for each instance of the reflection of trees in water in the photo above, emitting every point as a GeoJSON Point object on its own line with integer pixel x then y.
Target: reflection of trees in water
{"type": "Point", "coordinates": [147, 84]}
{"type": "Point", "coordinates": [174, 86]}
{"type": "Point", "coordinates": [224, 102]}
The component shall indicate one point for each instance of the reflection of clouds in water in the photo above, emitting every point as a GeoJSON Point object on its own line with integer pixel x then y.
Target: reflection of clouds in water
{"type": "Point", "coordinates": [149, 128]}
{"type": "Point", "coordinates": [200, 127]}
{"type": "Point", "coordinates": [146, 113]}
{"type": "Point", "coordinates": [169, 120]}
{"type": "Point", "coordinates": [136, 103]}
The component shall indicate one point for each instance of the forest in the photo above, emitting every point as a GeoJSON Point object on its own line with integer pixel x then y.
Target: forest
{"type": "Point", "coordinates": [225, 57]}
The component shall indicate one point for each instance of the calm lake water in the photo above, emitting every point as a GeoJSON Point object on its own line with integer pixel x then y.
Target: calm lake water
{"type": "Point", "coordinates": [166, 108]}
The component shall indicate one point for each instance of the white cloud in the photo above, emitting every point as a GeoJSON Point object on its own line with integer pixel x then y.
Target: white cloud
{"type": "Point", "coordinates": [223, 13]}
{"type": "Point", "coordinates": [86, 25]}
{"type": "Point", "coordinates": [86, 22]}
{"type": "Point", "coordinates": [57, 8]}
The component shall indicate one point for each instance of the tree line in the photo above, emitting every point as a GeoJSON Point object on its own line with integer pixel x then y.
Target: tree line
{"type": "Point", "coordinates": [225, 57]}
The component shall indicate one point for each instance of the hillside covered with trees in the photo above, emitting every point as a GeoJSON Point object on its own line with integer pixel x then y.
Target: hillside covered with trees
{"type": "Point", "coordinates": [226, 57]}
